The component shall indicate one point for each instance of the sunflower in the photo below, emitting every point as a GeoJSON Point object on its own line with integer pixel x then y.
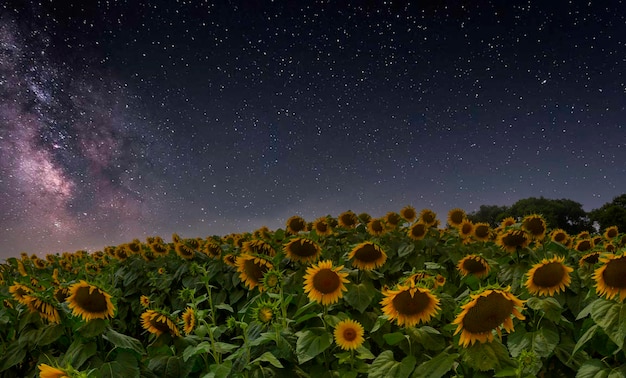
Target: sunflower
{"type": "Point", "coordinates": [376, 227]}
{"type": "Point", "coordinates": [349, 334]}
{"type": "Point", "coordinates": [258, 247]}
{"type": "Point", "coordinates": [89, 301]}
{"type": "Point", "coordinates": [409, 304]}
{"type": "Point", "coordinates": [20, 292]}
{"type": "Point", "coordinates": [559, 236]}
{"type": "Point", "coordinates": [144, 301]}
{"type": "Point", "coordinates": [466, 229]}
{"type": "Point", "coordinates": [418, 230]}
{"type": "Point", "coordinates": [47, 371]}
{"type": "Point", "coordinates": [474, 265]}
{"type": "Point", "coordinates": [302, 250]}
{"type": "Point", "coordinates": [610, 232]}
{"type": "Point", "coordinates": [548, 277]}
{"type": "Point", "coordinates": [296, 224]}
{"type": "Point", "coordinates": [487, 311]}
{"type": "Point", "coordinates": [583, 245]}
{"type": "Point", "coordinates": [456, 217]}
{"type": "Point", "coordinates": [44, 308]}
{"type": "Point", "coordinates": [159, 249]}
{"type": "Point", "coordinates": [189, 320]}
{"type": "Point", "coordinates": [265, 311]}
{"type": "Point", "coordinates": [535, 226]}
{"type": "Point", "coordinates": [325, 283]}
{"type": "Point", "coordinates": [610, 247]}
{"type": "Point", "coordinates": [589, 259]}
{"type": "Point", "coordinates": [230, 260]}
{"type": "Point", "coordinates": [408, 213]}
{"type": "Point", "coordinates": [272, 280]}
{"type": "Point", "coordinates": [392, 219]}
{"type": "Point", "coordinates": [510, 240]}
{"type": "Point", "coordinates": [507, 222]}
{"type": "Point", "coordinates": [212, 249]}
{"type": "Point", "coordinates": [367, 256]}
{"type": "Point", "coordinates": [597, 240]}
{"type": "Point", "coordinates": [262, 233]}
{"type": "Point", "coordinates": [184, 251]}
{"type": "Point", "coordinates": [251, 270]}
{"type": "Point", "coordinates": [322, 227]}
{"type": "Point", "coordinates": [21, 269]}
{"type": "Point", "coordinates": [348, 219]}
{"type": "Point", "coordinates": [40, 263]}
{"type": "Point", "coordinates": [161, 271]}
{"type": "Point", "coordinates": [611, 277]}
{"type": "Point", "coordinates": [428, 217]}
{"type": "Point", "coordinates": [482, 231]}
{"type": "Point", "coordinates": [158, 323]}
{"type": "Point", "coordinates": [61, 294]}
{"type": "Point", "coordinates": [121, 253]}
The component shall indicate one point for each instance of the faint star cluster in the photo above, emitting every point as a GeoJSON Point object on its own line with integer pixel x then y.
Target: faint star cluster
{"type": "Point", "coordinates": [122, 120]}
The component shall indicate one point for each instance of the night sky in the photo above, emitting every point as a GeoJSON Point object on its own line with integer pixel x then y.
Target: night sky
{"type": "Point", "coordinates": [127, 119]}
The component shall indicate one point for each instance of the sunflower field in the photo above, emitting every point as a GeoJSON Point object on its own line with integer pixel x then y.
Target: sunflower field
{"type": "Point", "coordinates": [351, 296]}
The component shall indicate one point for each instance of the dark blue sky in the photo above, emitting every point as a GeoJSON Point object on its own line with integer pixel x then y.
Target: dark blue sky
{"type": "Point", "coordinates": [130, 119]}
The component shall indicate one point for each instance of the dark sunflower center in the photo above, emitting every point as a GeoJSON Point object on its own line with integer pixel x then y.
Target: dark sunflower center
{"type": "Point", "coordinates": [611, 233]}
{"type": "Point", "coordinates": [418, 230]}
{"type": "Point", "coordinates": [591, 258]}
{"type": "Point", "coordinates": [348, 220]}
{"type": "Point", "coordinates": [408, 214]}
{"type": "Point", "coordinates": [456, 217]}
{"type": "Point", "coordinates": [560, 237]}
{"type": "Point", "coordinates": [377, 226]}
{"type": "Point", "coordinates": [428, 218]}
{"type": "Point", "coordinates": [407, 305]}
{"type": "Point", "coordinates": [349, 334]}
{"type": "Point", "coordinates": [94, 302]}
{"type": "Point", "coordinates": [488, 313]}
{"type": "Point", "coordinates": [514, 239]}
{"type": "Point", "coordinates": [549, 275]}
{"type": "Point", "coordinates": [297, 225]}
{"type": "Point", "coordinates": [160, 325]}
{"type": "Point", "coordinates": [615, 273]}
{"type": "Point", "coordinates": [254, 271]}
{"type": "Point", "coordinates": [466, 229]}
{"type": "Point", "coordinates": [393, 219]}
{"type": "Point", "coordinates": [321, 227]}
{"type": "Point", "coordinates": [367, 253]}
{"type": "Point", "coordinates": [326, 281]}
{"type": "Point", "coordinates": [583, 245]}
{"type": "Point", "coordinates": [304, 249]}
{"type": "Point", "coordinates": [535, 226]}
{"type": "Point", "coordinates": [474, 266]}
{"type": "Point", "coordinates": [482, 231]}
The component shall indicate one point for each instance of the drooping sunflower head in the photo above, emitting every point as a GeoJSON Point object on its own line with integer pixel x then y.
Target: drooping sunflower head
{"type": "Point", "coordinates": [184, 251]}
{"type": "Point", "coordinates": [364, 218]}
{"type": "Point", "coordinates": [408, 213]}
{"type": "Point", "coordinates": [61, 293]}
{"type": "Point", "coordinates": [40, 263]}
{"type": "Point", "coordinates": [548, 277]}
{"type": "Point", "coordinates": [485, 312]}
{"type": "Point", "coordinates": [392, 219]}
{"type": "Point", "coordinates": [610, 277]}
{"type": "Point", "coordinates": [47, 371]}
{"type": "Point", "coordinates": [376, 227]}
{"type": "Point", "coordinates": [296, 224]}
{"type": "Point", "coordinates": [324, 283]}
{"type": "Point", "coordinates": [456, 216]}
{"type": "Point", "coordinates": [597, 240]}
{"type": "Point", "coordinates": [230, 260]}
{"type": "Point", "coordinates": [251, 270]}
{"type": "Point", "coordinates": [262, 233]}
{"type": "Point", "coordinates": [212, 249]}
{"type": "Point", "coordinates": [583, 245]}
{"type": "Point", "coordinates": [189, 320]}
{"type": "Point", "coordinates": [535, 226]}
{"type": "Point", "coordinates": [589, 259]}
{"type": "Point", "coordinates": [258, 247]}
{"type": "Point", "coordinates": [428, 217]}
{"type": "Point", "coordinates": [610, 247]}
{"type": "Point", "coordinates": [20, 292]}
{"type": "Point", "coordinates": [510, 240]}
{"type": "Point", "coordinates": [302, 250]}
{"type": "Point", "coordinates": [44, 307]}
{"type": "Point", "coordinates": [348, 219]}
{"type": "Point", "coordinates": [158, 322]}
{"type": "Point", "coordinates": [474, 265]}
{"type": "Point", "coordinates": [466, 229]}
{"type": "Point", "coordinates": [409, 304]}
{"type": "Point", "coordinates": [349, 334]}
{"type": "Point", "coordinates": [611, 232]}
{"type": "Point", "coordinates": [482, 231]}
{"type": "Point", "coordinates": [90, 302]}
{"type": "Point", "coordinates": [560, 236]}
{"type": "Point", "coordinates": [367, 256]}
{"type": "Point", "coordinates": [322, 226]}
{"type": "Point", "coordinates": [121, 253]}
{"type": "Point", "coordinates": [418, 230]}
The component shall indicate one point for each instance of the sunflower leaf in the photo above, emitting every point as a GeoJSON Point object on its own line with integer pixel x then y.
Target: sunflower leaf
{"type": "Point", "coordinates": [437, 366]}
{"type": "Point", "coordinates": [78, 353]}
{"type": "Point", "coordinates": [123, 341]}
{"type": "Point", "coordinates": [311, 343]}
{"type": "Point", "coordinates": [588, 335]}
{"type": "Point", "coordinates": [487, 356]}
{"type": "Point", "coordinates": [551, 308]}
{"type": "Point", "coordinates": [360, 296]}
{"type": "Point", "coordinates": [269, 357]}
{"type": "Point", "coordinates": [125, 365]}
{"type": "Point", "coordinates": [386, 366]}
{"type": "Point", "coordinates": [611, 317]}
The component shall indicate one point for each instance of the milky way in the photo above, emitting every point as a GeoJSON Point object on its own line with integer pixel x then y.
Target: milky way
{"type": "Point", "coordinates": [125, 120]}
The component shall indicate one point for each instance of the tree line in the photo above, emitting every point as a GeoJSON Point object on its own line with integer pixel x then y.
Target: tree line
{"type": "Point", "coordinates": [558, 213]}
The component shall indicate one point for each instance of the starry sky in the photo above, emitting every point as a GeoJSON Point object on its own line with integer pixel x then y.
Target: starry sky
{"type": "Point", "coordinates": [127, 119]}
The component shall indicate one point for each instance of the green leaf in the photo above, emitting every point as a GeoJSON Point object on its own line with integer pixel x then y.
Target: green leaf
{"type": "Point", "coordinates": [269, 357]}
{"type": "Point", "coordinates": [125, 365]}
{"type": "Point", "coordinates": [123, 341]}
{"type": "Point", "coordinates": [541, 342]}
{"type": "Point", "coordinates": [78, 353]}
{"type": "Point", "coordinates": [13, 355]}
{"type": "Point", "coordinates": [50, 334]}
{"type": "Point", "coordinates": [406, 249]}
{"type": "Point", "coordinates": [224, 306]}
{"type": "Point", "coordinates": [588, 335]}
{"type": "Point", "coordinates": [224, 348]}
{"type": "Point", "coordinates": [311, 343]}
{"type": "Point", "coordinates": [167, 366]}
{"type": "Point", "coordinates": [436, 367]}
{"type": "Point", "coordinates": [190, 351]}
{"type": "Point", "coordinates": [593, 369]}
{"type": "Point", "coordinates": [360, 295]}
{"type": "Point", "coordinates": [393, 338]}
{"type": "Point", "coordinates": [385, 366]}
{"type": "Point", "coordinates": [428, 337]}
{"type": "Point", "coordinates": [486, 356]}
{"type": "Point", "coordinates": [219, 371]}
{"type": "Point", "coordinates": [611, 317]}
{"type": "Point", "coordinates": [549, 306]}
{"type": "Point", "coordinates": [93, 328]}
